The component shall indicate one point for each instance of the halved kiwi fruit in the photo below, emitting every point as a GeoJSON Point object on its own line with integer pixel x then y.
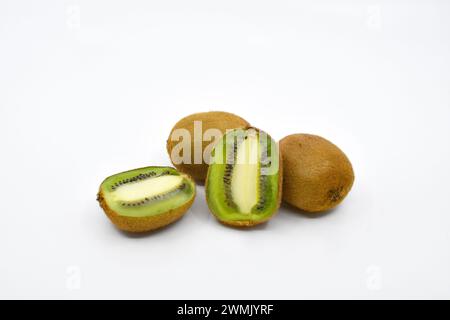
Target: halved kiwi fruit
{"type": "Point", "coordinates": [145, 199]}
{"type": "Point", "coordinates": [317, 174]}
{"type": "Point", "coordinates": [243, 186]}
{"type": "Point", "coordinates": [192, 138]}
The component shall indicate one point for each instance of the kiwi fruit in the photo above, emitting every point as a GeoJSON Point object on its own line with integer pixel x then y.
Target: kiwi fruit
{"type": "Point", "coordinates": [317, 175]}
{"type": "Point", "coordinates": [202, 131]}
{"type": "Point", "coordinates": [244, 181]}
{"type": "Point", "coordinates": [147, 198]}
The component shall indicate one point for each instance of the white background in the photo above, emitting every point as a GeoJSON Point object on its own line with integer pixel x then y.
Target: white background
{"type": "Point", "coordinates": [92, 88]}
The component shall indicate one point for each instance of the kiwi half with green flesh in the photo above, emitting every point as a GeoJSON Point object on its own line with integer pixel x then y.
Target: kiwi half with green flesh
{"type": "Point", "coordinates": [317, 174]}
{"type": "Point", "coordinates": [147, 198]}
{"type": "Point", "coordinates": [243, 186]}
{"type": "Point", "coordinates": [197, 126]}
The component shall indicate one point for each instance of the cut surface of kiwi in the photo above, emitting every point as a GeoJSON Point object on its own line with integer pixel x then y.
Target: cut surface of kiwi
{"type": "Point", "coordinates": [243, 186]}
{"type": "Point", "coordinates": [146, 198]}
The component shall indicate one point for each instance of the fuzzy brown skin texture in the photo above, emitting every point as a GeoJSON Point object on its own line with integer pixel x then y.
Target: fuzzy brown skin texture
{"type": "Point", "coordinates": [317, 174]}
{"type": "Point", "coordinates": [143, 224]}
{"type": "Point", "coordinates": [214, 119]}
{"type": "Point", "coordinates": [244, 224]}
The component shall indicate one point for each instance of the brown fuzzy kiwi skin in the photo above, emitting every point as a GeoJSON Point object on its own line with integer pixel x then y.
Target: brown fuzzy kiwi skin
{"type": "Point", "coordinates": [144, 224]}
{"type": "Point", "coordinates": [317, 174]}
{"type": "Point", "coordinates": [245, 224]}
{"type": "Point", "coordinates": [213, 119]}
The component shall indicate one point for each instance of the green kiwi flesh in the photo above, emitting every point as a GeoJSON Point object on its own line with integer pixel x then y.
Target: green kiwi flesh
{"type": "Point", "coordinates": [243, 186]}
{"type": "Point", "coordinates": [139, 199]}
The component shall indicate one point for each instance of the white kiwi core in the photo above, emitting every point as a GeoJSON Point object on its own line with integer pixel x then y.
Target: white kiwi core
{"type": "Point", "coordinates": [147, 188]}
{"type": "Point", "coordinates": [245, 176]}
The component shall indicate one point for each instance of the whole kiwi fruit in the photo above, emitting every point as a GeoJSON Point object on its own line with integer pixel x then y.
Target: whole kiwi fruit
{"type": "Point", "coordinates": [147, 198]}
{"type": "Point", "coordinates": [200, 131]}
{"type": "Point", "coordinates": [317, 174]}
{"type": "Point", "coordinates": [243, 186]}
